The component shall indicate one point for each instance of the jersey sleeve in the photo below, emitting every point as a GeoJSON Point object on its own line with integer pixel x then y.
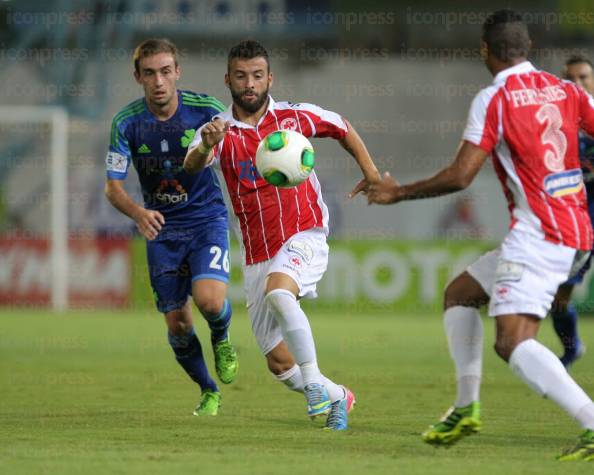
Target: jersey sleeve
{"type": "Point", "coordinates": [118, 156]}
{"type": "Point", "coordinates": [483, 121]}
{"type": "Point", "coordinates": [323, 123]}
{"type": "Point", "coordinates": [586, 102]}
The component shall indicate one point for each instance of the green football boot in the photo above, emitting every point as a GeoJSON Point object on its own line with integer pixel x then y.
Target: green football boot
{"type": "Point", "coordinates": [226, 363]}
{"type": "Point", "coordinates": [455, 424]}
{"type": "Point", "coordinates": [583, 450]}
{"type": "Point", "coordinates": [209, 404]}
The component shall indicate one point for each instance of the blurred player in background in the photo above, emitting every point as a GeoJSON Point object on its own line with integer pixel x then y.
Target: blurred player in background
{"type": "Point", "coordinates": [284, 230]}
{"type": "Point", "coordinates": [578, 69]}
{"type": "Point", "coordinates": [184, 218]}
{"type": "Point", "coordinates": [528, 121]}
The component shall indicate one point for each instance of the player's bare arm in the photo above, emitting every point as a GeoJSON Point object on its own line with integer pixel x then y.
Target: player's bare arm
{"type": "Point", "coordinates": [149, 222]}
{"type": "Point", "coordinates": [211, 134]}
{"type": "Point", "coordinates": [455, 177]}
{"type": "Point", "coordinates": [354, 145]}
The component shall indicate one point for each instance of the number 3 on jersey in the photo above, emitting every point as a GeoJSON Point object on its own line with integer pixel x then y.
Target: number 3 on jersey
{"type": "Point", "coordinates": [552, 135]}
{"type": "Point", "coordinates": [215, 263]}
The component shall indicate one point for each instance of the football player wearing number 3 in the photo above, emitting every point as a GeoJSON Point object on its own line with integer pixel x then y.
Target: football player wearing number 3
{"type": "Point", "coordinates": [528, 121]}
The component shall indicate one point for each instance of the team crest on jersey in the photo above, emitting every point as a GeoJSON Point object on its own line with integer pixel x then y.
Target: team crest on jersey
{"type": "Point", "coordinates": [296, 261]}
{"type": "Point", "coordinates": [288, 124]}
{"type": "Point", "coordinates": [164, 146]}
{"type": "Point", "coordinates": [502, 291]}
{"type": "Point", "coordinates": [189, 135]}
{"type": "Point", "coordinates": [564, 183]}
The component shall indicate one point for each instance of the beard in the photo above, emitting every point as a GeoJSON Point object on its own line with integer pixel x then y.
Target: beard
{"type": "Point", "coordinates": [250, 107]}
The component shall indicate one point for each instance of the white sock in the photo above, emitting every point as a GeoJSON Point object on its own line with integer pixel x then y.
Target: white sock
{"type": "Point", "coordinates": [545, 374]}
{"type": "Point", "coordinates": [296, 333]}
{"type": "Point", "coordinates": [464, 331]}
{"type": "Point", "coordinates": [335, 391]}
{"type": "Point", "coordinates": [294, 381]}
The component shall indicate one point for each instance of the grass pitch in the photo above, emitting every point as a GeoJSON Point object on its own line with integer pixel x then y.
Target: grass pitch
{"type": "Point", "coordinates": [100, 392]}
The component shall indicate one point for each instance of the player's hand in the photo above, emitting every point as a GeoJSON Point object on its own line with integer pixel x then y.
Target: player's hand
{"type": "Point", "coordinates": [149, 223]}
{"type": "Point", "coordinates": [214, 132]}
{"type": "Point", "coordinates": [384, 192]}
{"type": "Point", "coordinates": [363, 186]}
{"type": "Point", "coordinates": [360, 187]}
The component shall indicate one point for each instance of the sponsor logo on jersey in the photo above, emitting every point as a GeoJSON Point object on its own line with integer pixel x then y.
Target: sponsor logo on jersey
{"type": "Point", "coordinates": [116, 162]}
{"type": "Point", "coordinates": [170, 190]}
{"type": "Point", "coordinates": [288, 124]}
{"type": "Point", "coordinates": [564, 183]}
{"type": "Point", "coordinates": [144, 148]}
{"type": "Point", "coordinates": [175, 192]}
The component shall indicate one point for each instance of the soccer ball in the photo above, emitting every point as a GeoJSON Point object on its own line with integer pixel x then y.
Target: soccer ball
{"type": "Point", "coordinates": [285, 158]}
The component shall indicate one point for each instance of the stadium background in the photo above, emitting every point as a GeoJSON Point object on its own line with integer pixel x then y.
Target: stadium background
{"type": "Point", "coordinates": [403, 74]}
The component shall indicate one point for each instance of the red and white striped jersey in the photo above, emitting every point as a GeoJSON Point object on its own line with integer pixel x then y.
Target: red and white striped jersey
{"type": "Point", "coordinates": [268, 216]}
{"type": "Point", "coordinates": [528, 120]}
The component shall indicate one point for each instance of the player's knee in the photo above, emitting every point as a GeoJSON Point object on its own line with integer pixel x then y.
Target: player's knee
{"type": "Point", "coordinates": [466, 291]}
{"type": "Point", "coordinates": [280, 299]}
{"type": "Point", "coordinates": [210, 306]}
{"type": "Point", "coordinates": [504, 346]}
{"type": "Point", "coordinates": [278, 367]}
{"type": "Point", "coordinates": [453, 295]}
{"type": "Point", "coordinates": [177, 327]}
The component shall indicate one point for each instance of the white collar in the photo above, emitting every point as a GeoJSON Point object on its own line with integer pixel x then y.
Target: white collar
{"type": "Point", "coordinates": [521, 68]}
{"type": "Point", "coordinates": [227, 115]}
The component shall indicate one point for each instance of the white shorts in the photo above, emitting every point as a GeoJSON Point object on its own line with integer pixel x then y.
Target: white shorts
{"type": "Point", "coordinates": [523, 274]}
{"type": "Point", "coordinates": [304, 257]}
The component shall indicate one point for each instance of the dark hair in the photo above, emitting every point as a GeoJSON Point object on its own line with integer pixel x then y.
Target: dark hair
{"type": "Point", "coordinates": [506, 35]}
{"type": "Point", "coordinates": [151, 47]}
{"type": "Point", "coordinates": [578, 59]}
{"type": "Point", "coordinates": [248, 49]}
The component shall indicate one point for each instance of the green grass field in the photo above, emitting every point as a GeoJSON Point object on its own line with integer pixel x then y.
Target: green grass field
{"type": "Point", "coordinates": [99, 392]}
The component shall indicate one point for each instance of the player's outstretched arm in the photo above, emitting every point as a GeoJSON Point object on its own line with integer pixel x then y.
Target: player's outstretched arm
{"type": "Point", "coordinates": [455, 177]}
{"type": "Point", "coordinates": [149, 222]}
{"type": "Point", "coordinates": [353, 143]}
{"type": "Point", "coordinates": [201, 154]}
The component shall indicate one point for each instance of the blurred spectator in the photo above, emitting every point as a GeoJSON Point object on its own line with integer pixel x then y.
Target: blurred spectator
{"type": "Point", "coordinates": [459, 221]}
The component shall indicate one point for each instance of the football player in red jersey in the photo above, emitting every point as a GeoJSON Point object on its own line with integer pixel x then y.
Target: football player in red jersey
{"type": "Point", "coordinates": [528, 121]}
{"type": "Point", "coordinates": [283, 229]}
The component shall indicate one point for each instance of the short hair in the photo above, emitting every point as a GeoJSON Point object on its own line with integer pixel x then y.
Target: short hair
{"type": "Point", "coordinates": [506, 35]}
{"type": "Point", "coordinates": [152, 47]}
{"type": "Point", "coordinates": [578, 59]}
{"type": "Point", "coordinates": [248, 49]}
